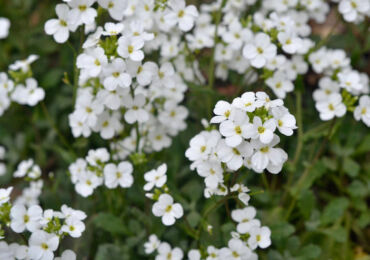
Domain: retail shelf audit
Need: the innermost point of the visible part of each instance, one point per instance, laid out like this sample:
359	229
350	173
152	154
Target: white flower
135	111
246	102
168	210
111	29
116	75
5	195
166	253
120	174
351	8
155	178
130	48
362	111
73	226
259	130
67	255
266	156
233	156
82	12
290	43
92	61
181	14
236	250
116	8
234	130
30	94
350	80
42	245
60	27
245	219
236	35
4	27
260	51
222	111
22	219
194	254
285	122
332	107
212	172
259	236
280	84
23	168
152	245
327	87
213	253
87	183
24	65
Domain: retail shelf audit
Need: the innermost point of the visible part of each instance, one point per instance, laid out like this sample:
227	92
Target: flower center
130	49
331	107
238	130
181	13
82	7
203	148
168	208
110	5
97	62
259	50
119	175
236	151
227	113
44	246
264	149
26	218
63	23
261	129
115	74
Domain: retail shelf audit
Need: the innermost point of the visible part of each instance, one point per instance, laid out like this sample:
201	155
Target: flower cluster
20	87
246	137
29	169
248	237
164	206
354	10
95	170
46	228
275	42
340	87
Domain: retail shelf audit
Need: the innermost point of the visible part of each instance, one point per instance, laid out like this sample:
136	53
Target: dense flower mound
143	71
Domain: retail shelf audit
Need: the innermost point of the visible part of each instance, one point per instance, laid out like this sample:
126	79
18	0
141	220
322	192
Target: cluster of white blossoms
46	228
246	137
354	11
269	43
164	207
249	236
29	169
95	170
19	86
340	87
4	27
120	95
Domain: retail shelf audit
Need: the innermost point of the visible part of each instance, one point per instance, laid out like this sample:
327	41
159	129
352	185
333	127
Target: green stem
308	168
55	128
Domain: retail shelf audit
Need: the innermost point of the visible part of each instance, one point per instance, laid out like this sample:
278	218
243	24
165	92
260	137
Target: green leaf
281	230
334	210
111	252
306	203
351	167
194	219
110	223
339	234
310	251
357	189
